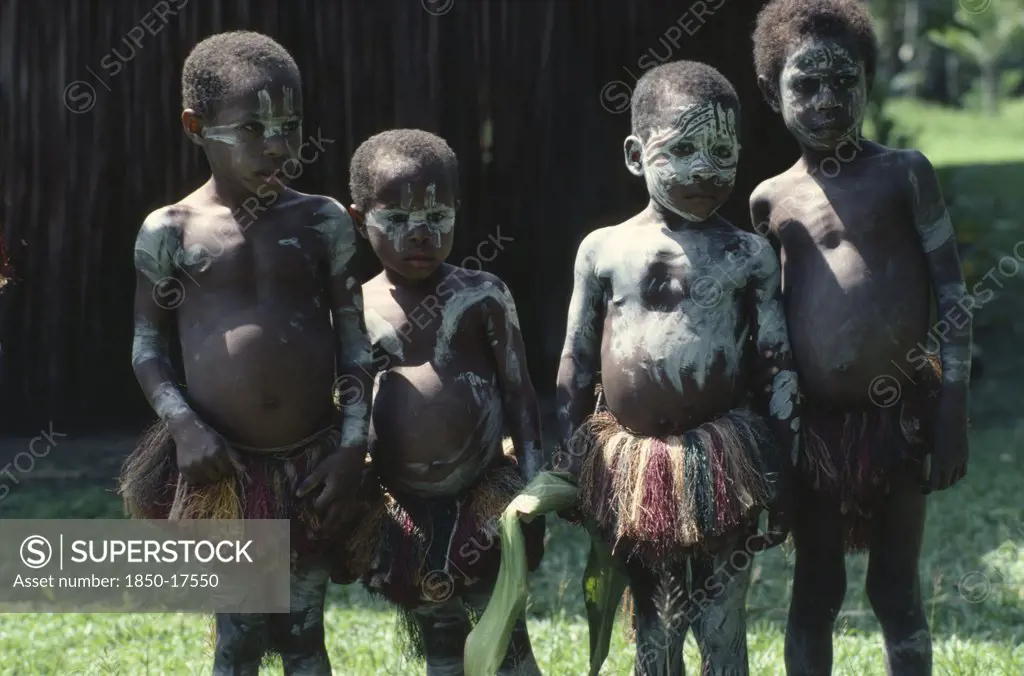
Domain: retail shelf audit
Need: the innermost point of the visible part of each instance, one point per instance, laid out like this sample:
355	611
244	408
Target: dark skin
453	374
865	242
664	307
431	431
252	273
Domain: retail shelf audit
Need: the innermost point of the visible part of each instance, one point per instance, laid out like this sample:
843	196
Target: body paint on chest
398	223
383	333
158	251
335	226
285	123
710	128
458	305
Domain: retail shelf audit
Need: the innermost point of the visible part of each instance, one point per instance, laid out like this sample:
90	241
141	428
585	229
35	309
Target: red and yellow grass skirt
855	456
658	498
152	487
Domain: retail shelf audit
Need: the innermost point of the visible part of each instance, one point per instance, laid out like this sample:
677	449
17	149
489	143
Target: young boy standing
676	466
452	382
865	242
254	279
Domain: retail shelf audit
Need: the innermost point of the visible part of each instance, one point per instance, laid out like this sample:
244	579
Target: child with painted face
255	278
681	458
452	380
865	242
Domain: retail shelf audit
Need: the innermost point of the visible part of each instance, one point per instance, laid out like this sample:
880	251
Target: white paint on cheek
291	241
710	129
814	59
398	224
382	333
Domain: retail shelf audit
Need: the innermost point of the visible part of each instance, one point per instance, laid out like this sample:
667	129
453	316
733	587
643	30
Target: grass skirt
855	456
414	550
152	488
654	498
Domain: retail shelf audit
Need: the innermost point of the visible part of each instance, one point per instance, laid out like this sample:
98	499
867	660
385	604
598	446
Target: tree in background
985	33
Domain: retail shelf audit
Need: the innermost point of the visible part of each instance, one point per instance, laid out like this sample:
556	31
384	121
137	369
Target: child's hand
203	455
778	527
340	474
763	378
949	457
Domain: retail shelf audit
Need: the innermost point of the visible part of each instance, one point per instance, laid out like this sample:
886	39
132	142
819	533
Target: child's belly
435	432
855	322
262	376
662	374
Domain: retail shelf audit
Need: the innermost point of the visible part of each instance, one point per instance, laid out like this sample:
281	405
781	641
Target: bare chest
664	274
271	253
443	329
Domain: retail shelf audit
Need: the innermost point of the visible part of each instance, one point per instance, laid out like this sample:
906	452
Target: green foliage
984	39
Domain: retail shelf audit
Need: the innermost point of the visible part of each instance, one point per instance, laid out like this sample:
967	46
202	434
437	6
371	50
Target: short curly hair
424	149
783	23
690	78
226	63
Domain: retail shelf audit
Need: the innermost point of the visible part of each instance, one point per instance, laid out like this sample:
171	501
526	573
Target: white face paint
700	145
822	92
397	224
284	122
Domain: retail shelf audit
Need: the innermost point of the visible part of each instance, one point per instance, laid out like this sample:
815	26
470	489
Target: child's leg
659	614
718	612
444	628
242	641
819	584
519	658
298	636
893	585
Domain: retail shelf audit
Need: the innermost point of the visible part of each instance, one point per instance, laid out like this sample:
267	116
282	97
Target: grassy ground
972	566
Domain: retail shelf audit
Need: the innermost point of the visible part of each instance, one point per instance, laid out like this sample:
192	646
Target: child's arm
341	470
949	461
581	354
773	353
202	455
522	413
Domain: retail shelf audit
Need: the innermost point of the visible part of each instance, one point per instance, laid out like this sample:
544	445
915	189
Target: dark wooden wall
519	88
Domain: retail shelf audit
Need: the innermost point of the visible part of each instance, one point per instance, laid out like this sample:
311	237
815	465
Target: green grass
953	137
976	530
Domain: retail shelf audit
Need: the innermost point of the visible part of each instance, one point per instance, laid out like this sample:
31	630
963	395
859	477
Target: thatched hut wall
515	86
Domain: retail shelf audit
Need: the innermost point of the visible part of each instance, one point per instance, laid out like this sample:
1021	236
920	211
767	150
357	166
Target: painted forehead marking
821	55
703	121
272	125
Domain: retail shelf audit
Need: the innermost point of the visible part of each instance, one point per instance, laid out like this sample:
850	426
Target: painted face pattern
285	121
398	223
823	92
700	145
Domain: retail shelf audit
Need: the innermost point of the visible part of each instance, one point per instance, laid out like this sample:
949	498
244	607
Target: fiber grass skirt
654	498
152	488
414	551
854	457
